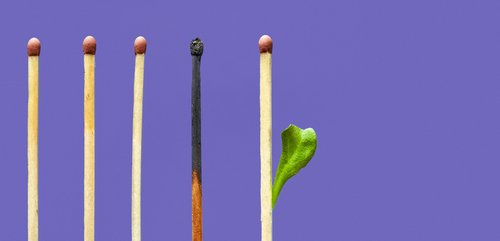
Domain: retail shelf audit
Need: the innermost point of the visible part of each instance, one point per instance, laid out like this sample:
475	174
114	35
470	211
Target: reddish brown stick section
197	210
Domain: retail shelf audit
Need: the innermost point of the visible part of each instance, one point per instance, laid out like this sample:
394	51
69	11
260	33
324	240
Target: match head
266	44
89	45
196	47
140	45
33	47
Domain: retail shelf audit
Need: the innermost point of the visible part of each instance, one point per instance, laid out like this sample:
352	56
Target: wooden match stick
266	211
196	52
140	51
89	48
33	56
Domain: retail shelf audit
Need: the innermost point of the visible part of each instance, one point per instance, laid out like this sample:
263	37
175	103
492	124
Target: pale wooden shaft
137	146
33	148
89	133
266	147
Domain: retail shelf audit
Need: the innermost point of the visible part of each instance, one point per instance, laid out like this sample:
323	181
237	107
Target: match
196	52
140	51
266	211
89	48
33	56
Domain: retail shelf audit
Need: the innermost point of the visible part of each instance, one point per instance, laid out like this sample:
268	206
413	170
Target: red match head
33	47
89	45
266	44
140	45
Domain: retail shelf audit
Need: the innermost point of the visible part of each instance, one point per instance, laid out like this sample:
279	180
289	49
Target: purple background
404	96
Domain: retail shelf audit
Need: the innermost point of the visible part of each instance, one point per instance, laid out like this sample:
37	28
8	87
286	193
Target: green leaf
298	149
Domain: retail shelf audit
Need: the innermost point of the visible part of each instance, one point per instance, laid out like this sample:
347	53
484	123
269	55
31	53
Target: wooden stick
89	48
33	55
140	51
196	197
266	218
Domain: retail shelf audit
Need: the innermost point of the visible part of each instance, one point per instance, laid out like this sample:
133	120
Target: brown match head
140	45
33	47
266	44
89	45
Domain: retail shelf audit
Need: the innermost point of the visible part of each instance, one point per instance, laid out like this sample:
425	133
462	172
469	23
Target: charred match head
89	45
33	47
266	44
140	45
196	47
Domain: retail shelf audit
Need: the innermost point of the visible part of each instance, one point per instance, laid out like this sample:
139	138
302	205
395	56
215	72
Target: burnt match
89	48
196	52
266	211
140	51
33	56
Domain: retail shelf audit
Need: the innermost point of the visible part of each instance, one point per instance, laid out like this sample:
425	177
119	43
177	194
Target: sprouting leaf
298	149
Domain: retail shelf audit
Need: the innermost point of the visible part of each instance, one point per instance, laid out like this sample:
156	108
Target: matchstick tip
266	44
196	47
89	45
33	47
140	45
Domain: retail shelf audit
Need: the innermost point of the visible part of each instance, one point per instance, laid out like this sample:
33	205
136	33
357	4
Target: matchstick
196	52
33	56
266	212
140	51
89	48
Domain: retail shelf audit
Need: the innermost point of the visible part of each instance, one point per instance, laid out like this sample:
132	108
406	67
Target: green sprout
298	149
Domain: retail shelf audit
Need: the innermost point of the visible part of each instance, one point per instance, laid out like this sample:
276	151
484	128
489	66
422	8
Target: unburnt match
140	51
266	49
33	56
196	52
89	49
